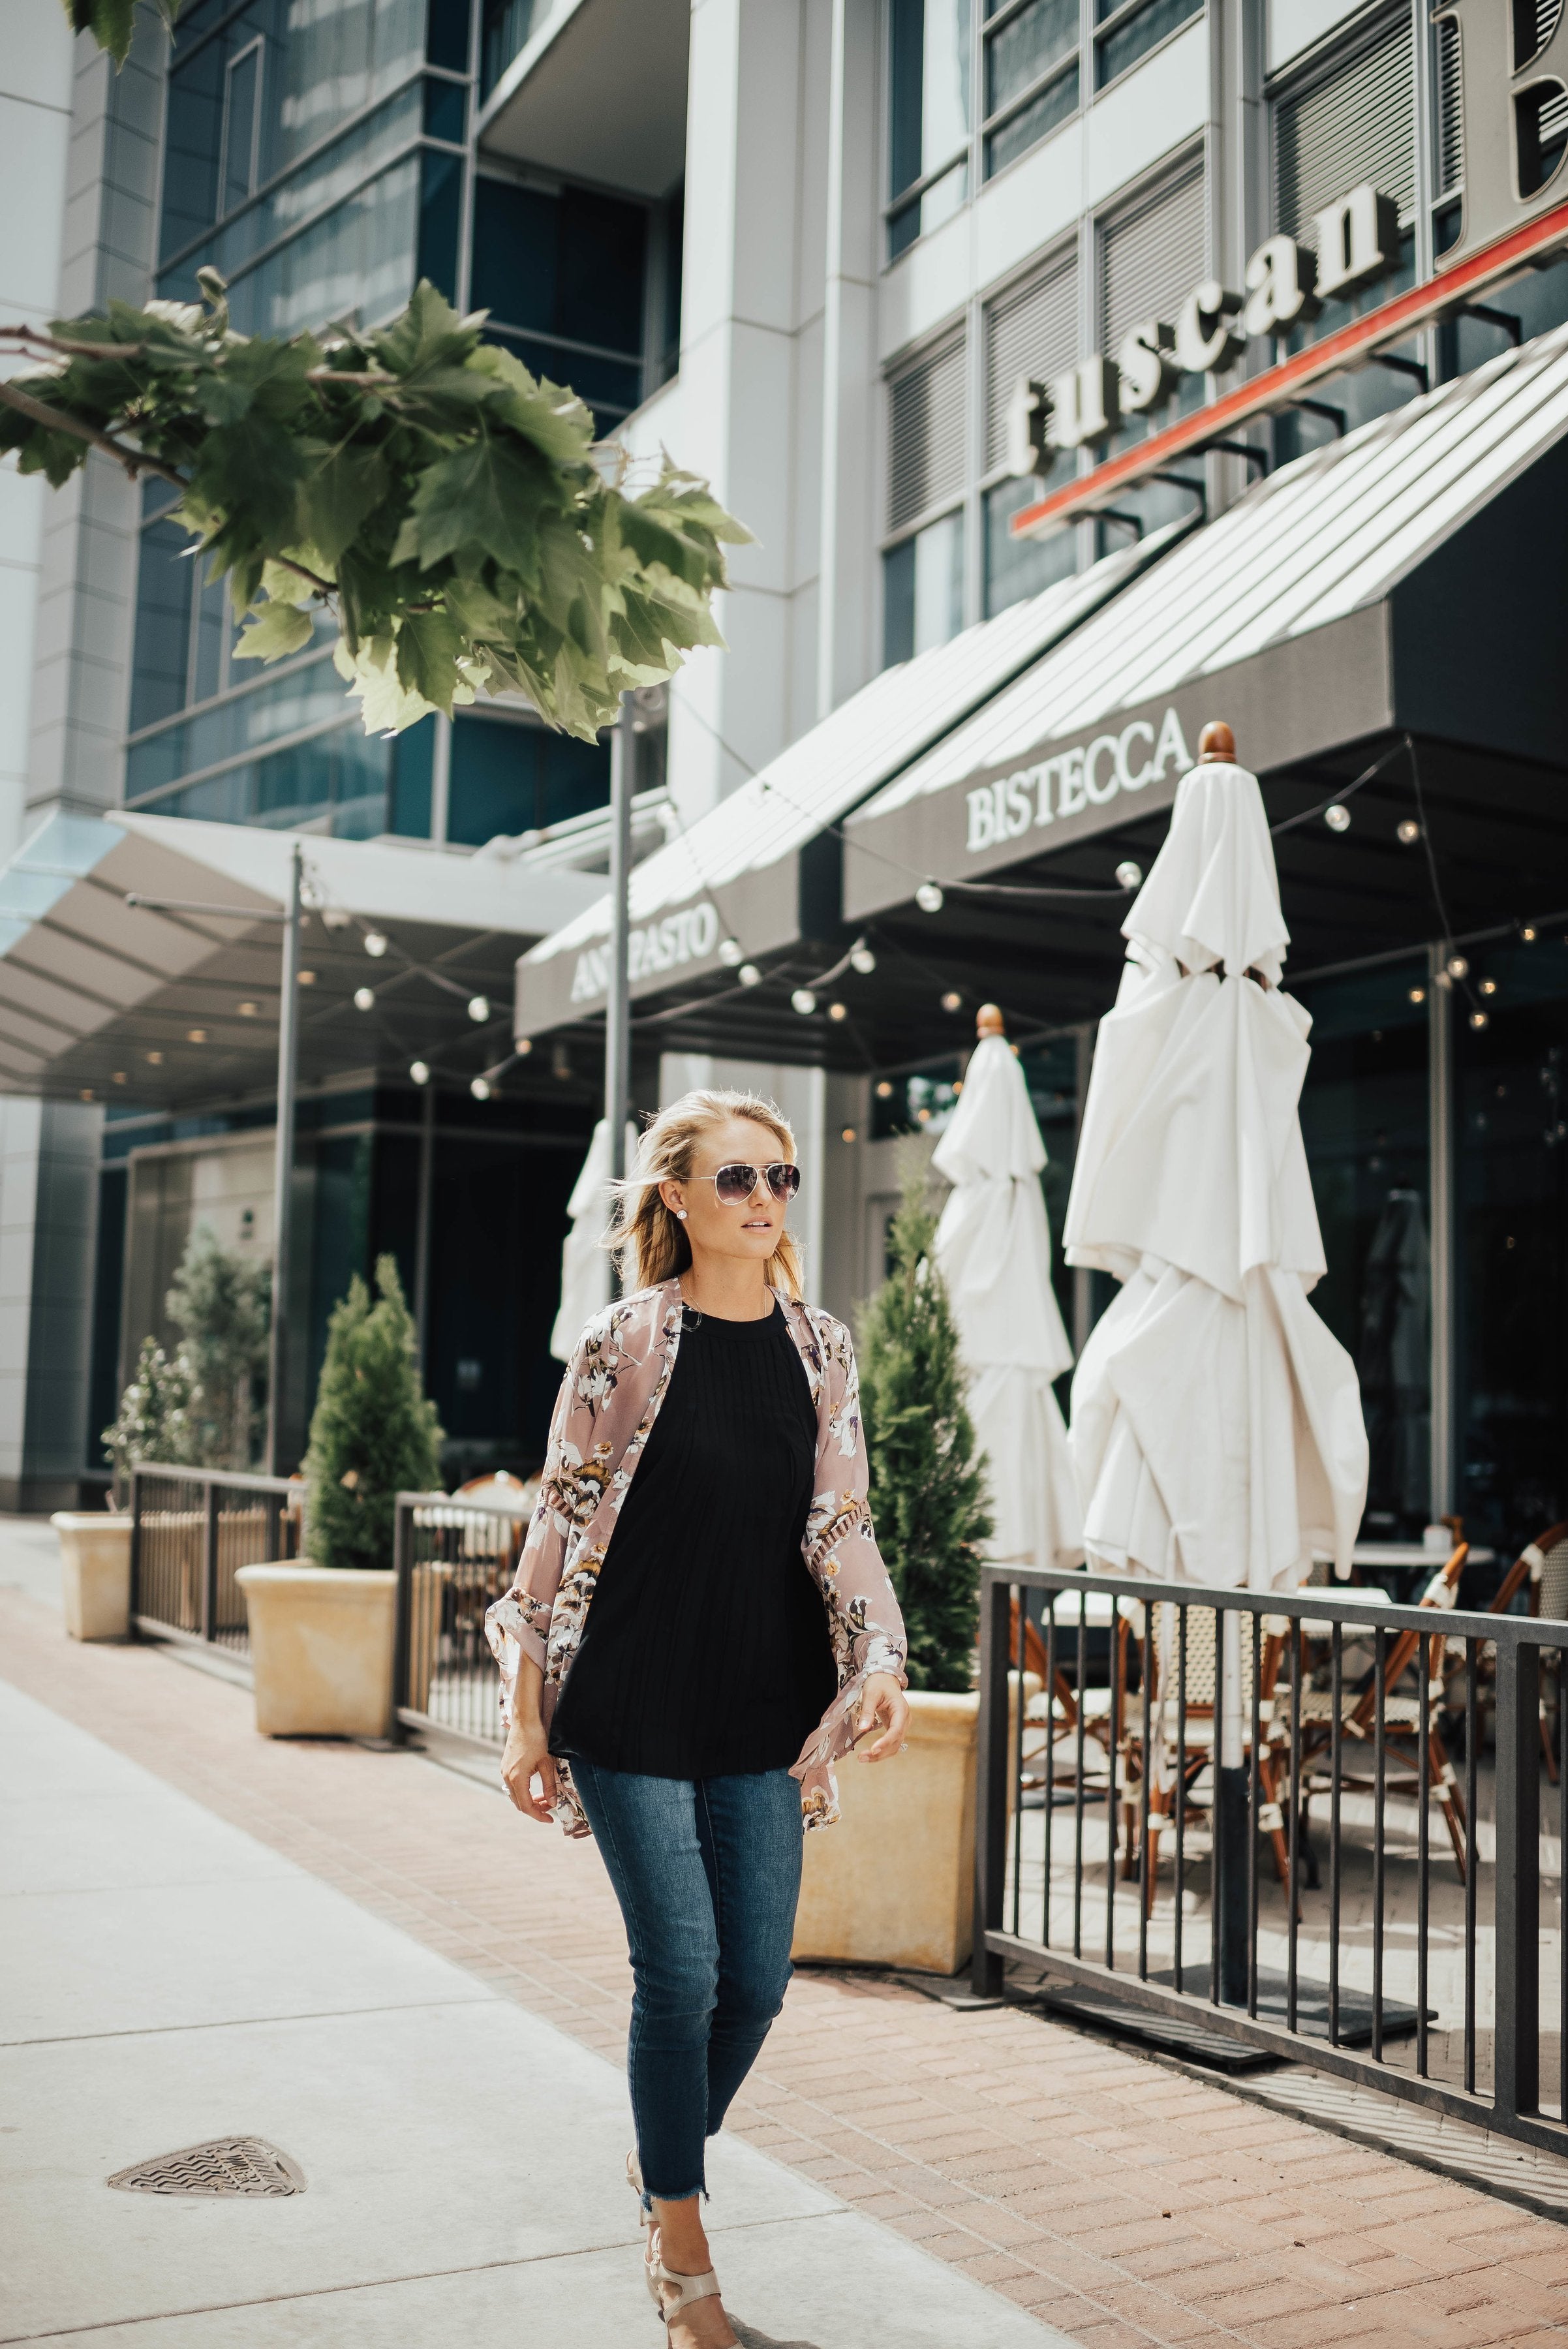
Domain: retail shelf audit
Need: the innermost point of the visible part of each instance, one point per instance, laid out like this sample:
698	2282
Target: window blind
1032	330
925	440
1150	257
1358	124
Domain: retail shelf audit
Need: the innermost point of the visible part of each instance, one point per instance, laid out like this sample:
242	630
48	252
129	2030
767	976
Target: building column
750	396
847	651
48	1230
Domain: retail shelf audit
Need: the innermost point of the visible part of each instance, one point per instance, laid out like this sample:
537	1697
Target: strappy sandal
648	2222
671	2293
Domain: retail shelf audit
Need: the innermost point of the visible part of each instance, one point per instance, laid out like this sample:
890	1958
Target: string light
861	958
249	1011
1528	935
1417	994
480	1088
838	1010
364	999
884	1090
307	979
1410	832
1489	986
479	1009
729	952
1458	966
375	944
928	897
1129	874
749	975
1337	818
195	1035
1480	1018
952	1000
804	1000
848	1134
420	1071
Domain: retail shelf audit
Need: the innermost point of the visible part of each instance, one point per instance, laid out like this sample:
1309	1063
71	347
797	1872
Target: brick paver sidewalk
1126	2204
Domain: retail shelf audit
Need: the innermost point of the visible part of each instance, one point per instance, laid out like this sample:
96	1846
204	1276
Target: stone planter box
321	1649
95	1573
893	1883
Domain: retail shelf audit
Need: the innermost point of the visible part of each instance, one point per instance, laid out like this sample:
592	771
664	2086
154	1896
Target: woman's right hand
527	1756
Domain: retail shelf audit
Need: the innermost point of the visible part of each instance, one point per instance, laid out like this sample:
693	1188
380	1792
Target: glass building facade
322	160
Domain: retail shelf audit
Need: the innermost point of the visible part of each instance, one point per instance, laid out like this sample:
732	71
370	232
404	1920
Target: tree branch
73	350
135	460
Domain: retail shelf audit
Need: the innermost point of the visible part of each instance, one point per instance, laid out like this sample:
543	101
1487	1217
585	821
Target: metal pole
618	1006
1441	1158
1516	2086
283	1176
422	1211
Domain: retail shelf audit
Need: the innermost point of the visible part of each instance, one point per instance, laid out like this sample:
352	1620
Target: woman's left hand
883	1707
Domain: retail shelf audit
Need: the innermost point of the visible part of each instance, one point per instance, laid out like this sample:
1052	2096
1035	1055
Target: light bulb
1128	874
729	952
804	1000
195	1035
522	1046
1489	986
1458	966
884	1090
248	1010
1528	935
420	1071
375	944
479	1008
480	1088
838	1010
1480	1019
364	999
1410	832
928	897
1417	994
1337	818
749	975
952	1000
861	958
848	1135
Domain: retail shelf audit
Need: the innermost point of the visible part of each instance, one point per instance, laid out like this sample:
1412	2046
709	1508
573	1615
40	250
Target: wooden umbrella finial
1217	745
989	1021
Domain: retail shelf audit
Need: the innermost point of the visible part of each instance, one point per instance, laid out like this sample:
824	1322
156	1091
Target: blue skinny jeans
707	1872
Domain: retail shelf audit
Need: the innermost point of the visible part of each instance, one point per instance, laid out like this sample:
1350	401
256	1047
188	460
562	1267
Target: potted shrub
893	1883
322	1629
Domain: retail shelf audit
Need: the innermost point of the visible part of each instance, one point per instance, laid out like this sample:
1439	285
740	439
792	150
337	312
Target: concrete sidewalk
165	1978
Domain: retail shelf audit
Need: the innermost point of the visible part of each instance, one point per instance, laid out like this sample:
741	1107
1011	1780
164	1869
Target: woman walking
698	1626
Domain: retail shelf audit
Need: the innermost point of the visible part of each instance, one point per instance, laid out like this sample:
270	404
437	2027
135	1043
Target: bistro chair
1173	1755
1542	1566
1401	1714
1052	1716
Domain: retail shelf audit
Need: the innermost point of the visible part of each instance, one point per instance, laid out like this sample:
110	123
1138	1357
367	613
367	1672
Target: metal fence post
402	1555
210	1561
1516	2086
135	1548
990	1784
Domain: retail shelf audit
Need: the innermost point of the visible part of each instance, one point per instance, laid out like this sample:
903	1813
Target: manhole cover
229	2165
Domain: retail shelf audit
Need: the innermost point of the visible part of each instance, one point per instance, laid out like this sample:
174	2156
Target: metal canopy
746	871
104	1000
1276	617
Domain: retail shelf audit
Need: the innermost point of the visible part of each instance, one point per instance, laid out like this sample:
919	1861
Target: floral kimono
609	1398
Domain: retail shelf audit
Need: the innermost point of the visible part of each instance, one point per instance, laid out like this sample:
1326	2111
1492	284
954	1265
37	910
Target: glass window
309	694
928	110
569	272
1364	1121
412	793
446	36
1134	31
1031	122
160	661
509	777
242	124
1024	49
1510	1095
440	214
508	27
922	590
1017	568
336	783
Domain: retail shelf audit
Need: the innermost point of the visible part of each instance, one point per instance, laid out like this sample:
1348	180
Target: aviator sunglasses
733	1185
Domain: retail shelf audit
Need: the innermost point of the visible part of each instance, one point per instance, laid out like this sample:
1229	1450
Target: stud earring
681	1215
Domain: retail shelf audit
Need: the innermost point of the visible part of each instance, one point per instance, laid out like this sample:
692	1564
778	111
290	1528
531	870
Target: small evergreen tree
928	1487
221	1301
156	1412
373	1433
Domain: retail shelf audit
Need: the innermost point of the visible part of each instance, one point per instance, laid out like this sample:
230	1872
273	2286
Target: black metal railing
192	1529
452	1557
1313	1824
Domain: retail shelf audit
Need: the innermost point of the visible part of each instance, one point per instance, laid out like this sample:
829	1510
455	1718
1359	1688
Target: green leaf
488	498
110	23
338	495
277	630
429	644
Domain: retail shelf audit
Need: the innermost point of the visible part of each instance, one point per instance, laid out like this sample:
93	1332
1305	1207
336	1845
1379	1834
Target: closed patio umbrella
993	1250
587	1276
1217	1426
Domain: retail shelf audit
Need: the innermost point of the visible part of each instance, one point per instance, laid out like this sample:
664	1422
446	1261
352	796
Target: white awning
107	1001
734	873
1273	617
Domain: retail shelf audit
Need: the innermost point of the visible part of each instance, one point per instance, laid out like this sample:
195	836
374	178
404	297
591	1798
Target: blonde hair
648	1240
